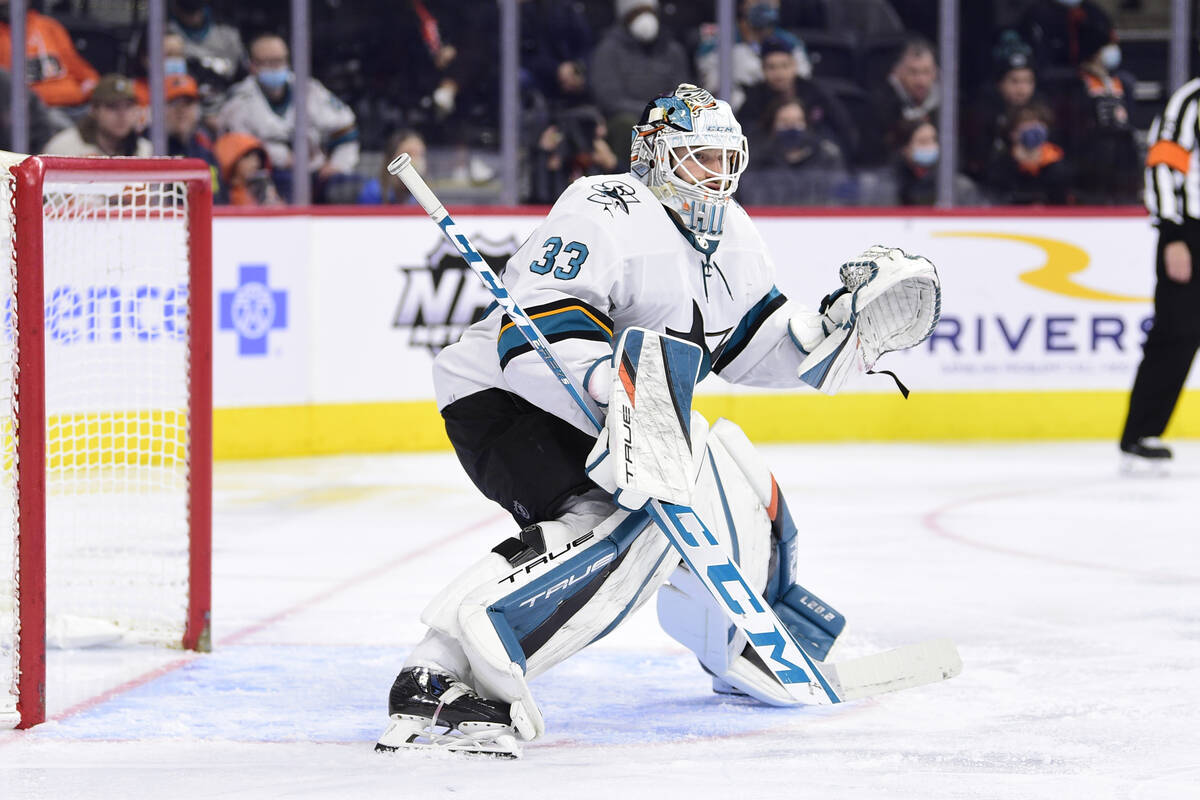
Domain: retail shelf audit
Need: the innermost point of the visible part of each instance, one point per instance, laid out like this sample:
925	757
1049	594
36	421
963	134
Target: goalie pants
526	459
1170	347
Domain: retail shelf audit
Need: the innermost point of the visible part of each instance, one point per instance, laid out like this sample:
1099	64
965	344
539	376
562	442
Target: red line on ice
320	597
932	521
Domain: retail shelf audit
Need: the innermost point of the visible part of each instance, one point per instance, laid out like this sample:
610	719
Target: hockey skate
435	711
1145	456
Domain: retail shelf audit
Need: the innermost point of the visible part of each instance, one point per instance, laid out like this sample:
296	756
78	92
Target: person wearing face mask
634	59
1032	170
261	105
1054	27
916	168
758	22
214	51
54	69
793	144
1096	123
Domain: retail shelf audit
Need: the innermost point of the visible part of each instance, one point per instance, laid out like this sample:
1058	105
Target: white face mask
644	27
1110	56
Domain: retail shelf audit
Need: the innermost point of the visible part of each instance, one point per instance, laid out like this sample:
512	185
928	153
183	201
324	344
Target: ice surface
1073	594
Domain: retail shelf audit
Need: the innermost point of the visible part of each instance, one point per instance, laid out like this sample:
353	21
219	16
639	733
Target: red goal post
105	411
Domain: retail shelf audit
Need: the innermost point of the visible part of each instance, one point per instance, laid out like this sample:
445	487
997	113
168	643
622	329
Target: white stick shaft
403	169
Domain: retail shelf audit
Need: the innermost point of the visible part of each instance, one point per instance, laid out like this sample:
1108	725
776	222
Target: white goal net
117	267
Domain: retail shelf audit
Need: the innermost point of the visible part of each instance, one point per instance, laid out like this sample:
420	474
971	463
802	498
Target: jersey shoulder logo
613	194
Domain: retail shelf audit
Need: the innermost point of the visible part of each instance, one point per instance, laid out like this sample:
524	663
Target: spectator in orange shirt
56	71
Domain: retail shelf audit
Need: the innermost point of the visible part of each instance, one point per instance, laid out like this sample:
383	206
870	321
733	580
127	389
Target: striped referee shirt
1173	163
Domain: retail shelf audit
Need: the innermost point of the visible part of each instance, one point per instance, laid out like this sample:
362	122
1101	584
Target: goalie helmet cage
105	410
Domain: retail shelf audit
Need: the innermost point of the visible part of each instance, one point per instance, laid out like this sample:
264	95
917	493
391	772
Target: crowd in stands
840	99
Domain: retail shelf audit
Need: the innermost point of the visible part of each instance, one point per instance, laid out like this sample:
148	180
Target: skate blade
472	738
1138	467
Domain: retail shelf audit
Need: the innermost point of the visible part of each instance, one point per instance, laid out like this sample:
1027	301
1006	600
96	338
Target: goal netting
105	408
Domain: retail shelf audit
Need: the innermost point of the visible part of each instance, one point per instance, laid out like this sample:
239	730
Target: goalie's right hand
809	328
600	465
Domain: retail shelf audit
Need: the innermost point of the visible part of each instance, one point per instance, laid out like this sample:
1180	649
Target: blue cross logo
253	310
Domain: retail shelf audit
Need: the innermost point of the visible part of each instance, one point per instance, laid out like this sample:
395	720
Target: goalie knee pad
762	533
540	597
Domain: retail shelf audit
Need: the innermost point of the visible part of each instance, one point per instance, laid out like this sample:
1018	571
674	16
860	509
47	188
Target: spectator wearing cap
110	126
56	72
1053	29
908	95
1032	170
758	21
1096	126
988	120
246	170
825	116
636	58
186	135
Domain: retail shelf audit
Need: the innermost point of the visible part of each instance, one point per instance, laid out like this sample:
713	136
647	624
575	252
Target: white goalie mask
688	148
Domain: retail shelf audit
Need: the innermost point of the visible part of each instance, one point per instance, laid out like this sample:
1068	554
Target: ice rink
1073	595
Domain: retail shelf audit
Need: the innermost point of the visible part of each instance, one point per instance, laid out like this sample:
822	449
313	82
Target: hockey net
105	411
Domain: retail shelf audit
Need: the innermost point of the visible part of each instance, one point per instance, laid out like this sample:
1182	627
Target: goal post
105	411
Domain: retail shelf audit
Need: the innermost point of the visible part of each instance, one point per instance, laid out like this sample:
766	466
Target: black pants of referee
1170	347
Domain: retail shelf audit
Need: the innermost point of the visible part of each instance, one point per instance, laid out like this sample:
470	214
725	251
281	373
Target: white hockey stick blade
892	670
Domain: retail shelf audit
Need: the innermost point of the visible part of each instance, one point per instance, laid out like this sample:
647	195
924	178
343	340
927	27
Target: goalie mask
688	148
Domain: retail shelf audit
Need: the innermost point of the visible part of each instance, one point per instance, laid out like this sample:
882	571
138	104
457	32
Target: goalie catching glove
889	301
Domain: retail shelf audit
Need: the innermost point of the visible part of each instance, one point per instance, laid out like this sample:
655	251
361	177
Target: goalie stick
795	671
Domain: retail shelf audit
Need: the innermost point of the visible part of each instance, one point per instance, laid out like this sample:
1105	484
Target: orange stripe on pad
1171	154
773	508
627	382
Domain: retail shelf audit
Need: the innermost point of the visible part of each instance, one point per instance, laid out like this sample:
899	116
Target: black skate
433	710
1147	455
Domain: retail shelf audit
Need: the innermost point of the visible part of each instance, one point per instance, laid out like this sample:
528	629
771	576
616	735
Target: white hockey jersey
607	257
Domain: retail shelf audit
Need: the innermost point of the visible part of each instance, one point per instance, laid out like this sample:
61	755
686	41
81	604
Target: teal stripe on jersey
569	323
751	322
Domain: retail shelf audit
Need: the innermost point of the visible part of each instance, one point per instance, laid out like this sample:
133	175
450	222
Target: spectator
635	59
824	113
792	144
54	69
986	124
110	126
1033	169
910	94
758	21
214	51
41	124
261	104
246	170
573	146
174	63
554	35
916	167
387	189
186	137
1096	127
1053	28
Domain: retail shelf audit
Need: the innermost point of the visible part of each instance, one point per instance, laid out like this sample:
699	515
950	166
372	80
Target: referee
1173	200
